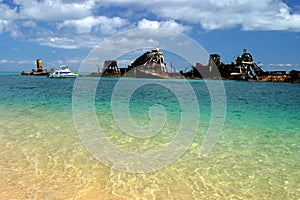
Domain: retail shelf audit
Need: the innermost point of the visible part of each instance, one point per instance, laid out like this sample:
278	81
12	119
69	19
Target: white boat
63	71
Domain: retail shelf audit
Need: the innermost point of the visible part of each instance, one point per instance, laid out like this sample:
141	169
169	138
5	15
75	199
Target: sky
64	32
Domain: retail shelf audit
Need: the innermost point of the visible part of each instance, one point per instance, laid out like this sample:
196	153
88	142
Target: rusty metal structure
151	64
150	60
243	68
39	71
110	68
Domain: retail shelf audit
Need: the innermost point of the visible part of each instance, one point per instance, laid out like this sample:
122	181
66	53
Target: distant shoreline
270	78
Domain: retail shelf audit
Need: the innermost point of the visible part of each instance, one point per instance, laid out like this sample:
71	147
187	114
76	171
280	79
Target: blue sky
65	31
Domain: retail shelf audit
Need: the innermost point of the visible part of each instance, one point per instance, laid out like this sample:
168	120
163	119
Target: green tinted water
42	156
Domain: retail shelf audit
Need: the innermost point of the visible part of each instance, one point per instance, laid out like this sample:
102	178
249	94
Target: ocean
72	139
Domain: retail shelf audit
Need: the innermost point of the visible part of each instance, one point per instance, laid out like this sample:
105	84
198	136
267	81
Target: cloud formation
170	24
281	65
217	14
54	10
63	21
101	23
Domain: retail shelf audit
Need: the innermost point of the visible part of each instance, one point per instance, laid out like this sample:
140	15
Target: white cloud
25	62
75	24
59	42
54	10
221	14
82	41
9	26
17	62
103	24
29	24
3	25
211	14
4	61
281	65
170	24
6	13
7	17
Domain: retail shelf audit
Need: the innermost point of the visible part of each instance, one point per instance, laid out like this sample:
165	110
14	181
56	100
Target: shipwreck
39	71
151	64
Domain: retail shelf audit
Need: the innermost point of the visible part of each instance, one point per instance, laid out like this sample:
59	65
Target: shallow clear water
42	155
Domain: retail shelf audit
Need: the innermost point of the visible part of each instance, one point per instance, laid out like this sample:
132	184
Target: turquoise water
42	155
